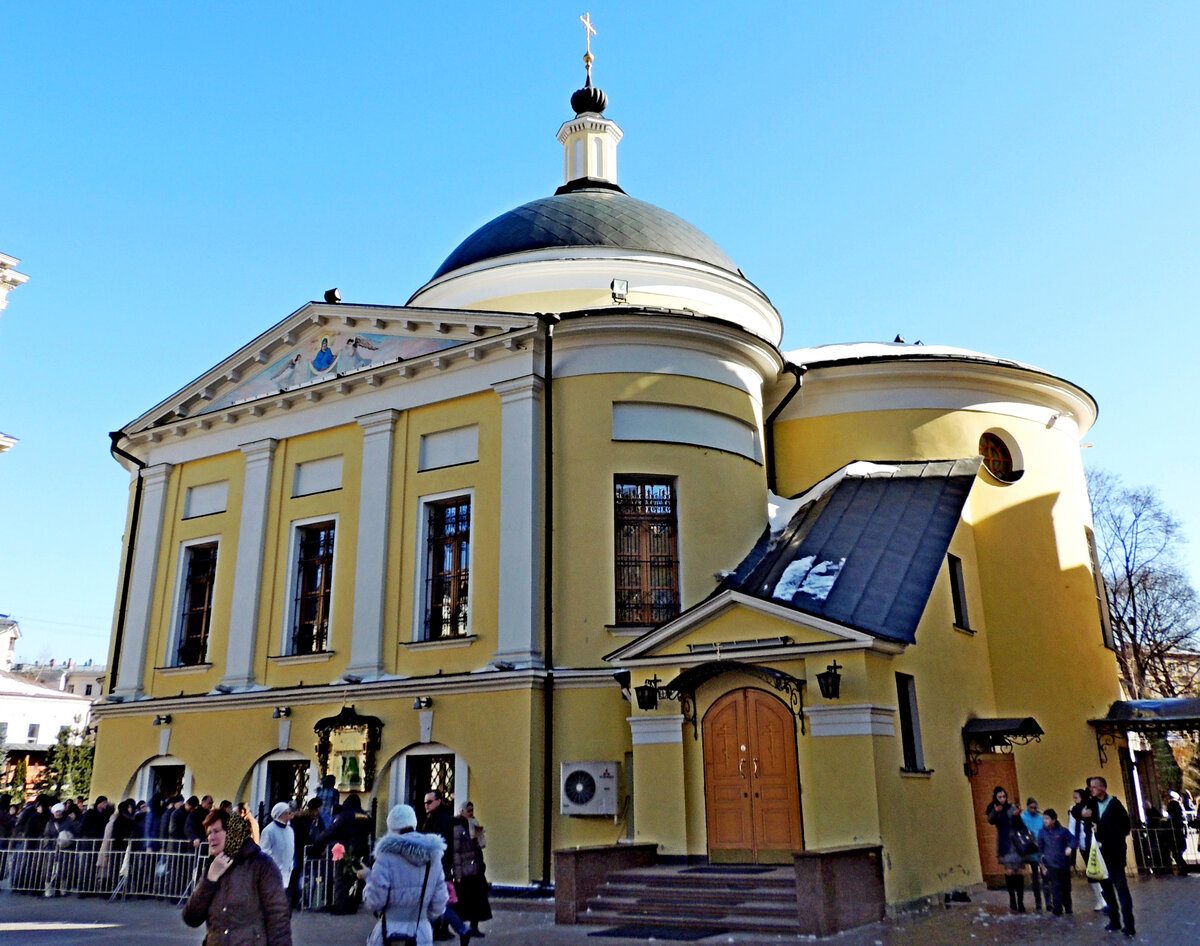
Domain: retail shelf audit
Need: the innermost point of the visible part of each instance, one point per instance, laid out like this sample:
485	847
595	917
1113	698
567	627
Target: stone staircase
729	899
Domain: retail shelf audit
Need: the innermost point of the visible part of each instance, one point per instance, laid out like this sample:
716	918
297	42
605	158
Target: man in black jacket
1110	827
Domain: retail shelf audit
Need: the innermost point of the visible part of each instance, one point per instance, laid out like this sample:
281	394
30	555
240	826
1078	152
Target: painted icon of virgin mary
324	358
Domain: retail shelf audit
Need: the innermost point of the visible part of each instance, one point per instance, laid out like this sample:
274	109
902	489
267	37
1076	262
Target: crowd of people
428	884
1096	831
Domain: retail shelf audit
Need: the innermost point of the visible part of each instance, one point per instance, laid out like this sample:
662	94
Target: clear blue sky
1018	178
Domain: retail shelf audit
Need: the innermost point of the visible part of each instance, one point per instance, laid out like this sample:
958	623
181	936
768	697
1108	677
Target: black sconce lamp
162	720
281	712
830	682
650	692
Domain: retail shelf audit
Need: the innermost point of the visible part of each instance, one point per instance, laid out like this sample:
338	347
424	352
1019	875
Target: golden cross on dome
588	31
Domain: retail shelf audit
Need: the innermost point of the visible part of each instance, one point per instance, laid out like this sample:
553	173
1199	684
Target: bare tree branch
1152	606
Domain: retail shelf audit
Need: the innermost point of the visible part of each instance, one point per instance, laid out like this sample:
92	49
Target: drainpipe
127	568
548	320
798	371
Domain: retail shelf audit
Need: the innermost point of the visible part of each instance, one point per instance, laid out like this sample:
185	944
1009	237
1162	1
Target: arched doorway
751	780
424	766
165	773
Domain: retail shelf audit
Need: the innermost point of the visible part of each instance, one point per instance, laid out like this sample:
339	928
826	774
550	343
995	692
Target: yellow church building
569	533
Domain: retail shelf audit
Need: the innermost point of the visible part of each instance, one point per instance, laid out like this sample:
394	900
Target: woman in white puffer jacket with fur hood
393	884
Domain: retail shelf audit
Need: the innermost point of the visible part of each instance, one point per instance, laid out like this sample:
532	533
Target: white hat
1175	795
58	809
401	817
281	808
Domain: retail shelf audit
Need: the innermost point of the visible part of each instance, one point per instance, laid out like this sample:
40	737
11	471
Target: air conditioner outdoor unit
589	788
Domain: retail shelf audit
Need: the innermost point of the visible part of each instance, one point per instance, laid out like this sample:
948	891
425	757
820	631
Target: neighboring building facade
82	679
412	545
31	718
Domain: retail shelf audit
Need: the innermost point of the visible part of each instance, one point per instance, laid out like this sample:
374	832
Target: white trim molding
374	521
853	719
519	605
132	668
656	730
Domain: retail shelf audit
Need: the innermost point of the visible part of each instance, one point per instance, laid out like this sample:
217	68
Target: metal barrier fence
52	868
1154	848
164	870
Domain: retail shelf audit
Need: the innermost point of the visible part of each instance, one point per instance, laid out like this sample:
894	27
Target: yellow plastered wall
177	530
589	726
1037	650
721	500
405	559
497	733
284	509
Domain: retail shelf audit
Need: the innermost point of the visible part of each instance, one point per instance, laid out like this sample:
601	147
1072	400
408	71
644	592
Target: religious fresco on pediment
328	355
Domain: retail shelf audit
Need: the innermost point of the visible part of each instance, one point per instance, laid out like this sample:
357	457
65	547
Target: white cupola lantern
589	140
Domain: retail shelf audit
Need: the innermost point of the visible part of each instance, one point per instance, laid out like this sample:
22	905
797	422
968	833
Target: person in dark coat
240	896
1110	828
1006	818
8	822
95	820
439	820
179	819
1178	831
470	884
352	829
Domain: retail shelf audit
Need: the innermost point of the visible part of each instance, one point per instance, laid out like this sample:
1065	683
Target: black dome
587	216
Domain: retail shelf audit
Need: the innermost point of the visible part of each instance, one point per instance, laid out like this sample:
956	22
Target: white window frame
420	585
171	657
289	601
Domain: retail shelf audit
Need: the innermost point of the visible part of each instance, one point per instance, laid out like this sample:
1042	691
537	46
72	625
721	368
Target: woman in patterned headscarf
240	896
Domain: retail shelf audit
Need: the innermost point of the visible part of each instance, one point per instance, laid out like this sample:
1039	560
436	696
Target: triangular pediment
322	343
732	624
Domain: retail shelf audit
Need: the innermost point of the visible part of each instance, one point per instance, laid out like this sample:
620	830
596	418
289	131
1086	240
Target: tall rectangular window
958	592
1101	589
647	550
313	588
195	616
910	723
447	567
34	729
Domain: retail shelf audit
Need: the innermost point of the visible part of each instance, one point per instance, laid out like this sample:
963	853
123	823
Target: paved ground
1167	910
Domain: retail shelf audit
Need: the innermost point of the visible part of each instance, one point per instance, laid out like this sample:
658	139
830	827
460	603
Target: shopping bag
1096	868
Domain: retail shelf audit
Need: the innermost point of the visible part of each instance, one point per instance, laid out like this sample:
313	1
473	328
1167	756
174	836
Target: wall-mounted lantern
830	682
650	692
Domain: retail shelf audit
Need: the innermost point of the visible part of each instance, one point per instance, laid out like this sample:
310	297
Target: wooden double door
751	782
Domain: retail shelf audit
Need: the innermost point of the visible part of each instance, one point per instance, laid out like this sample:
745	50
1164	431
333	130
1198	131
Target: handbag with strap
1023	839
406	939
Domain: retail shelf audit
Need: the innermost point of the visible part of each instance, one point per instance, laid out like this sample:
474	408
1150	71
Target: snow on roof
882	351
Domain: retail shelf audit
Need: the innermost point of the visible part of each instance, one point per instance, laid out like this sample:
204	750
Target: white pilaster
135	640
520	598
247	577
374	519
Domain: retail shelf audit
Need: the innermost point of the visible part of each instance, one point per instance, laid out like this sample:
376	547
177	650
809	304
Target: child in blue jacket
1056	845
